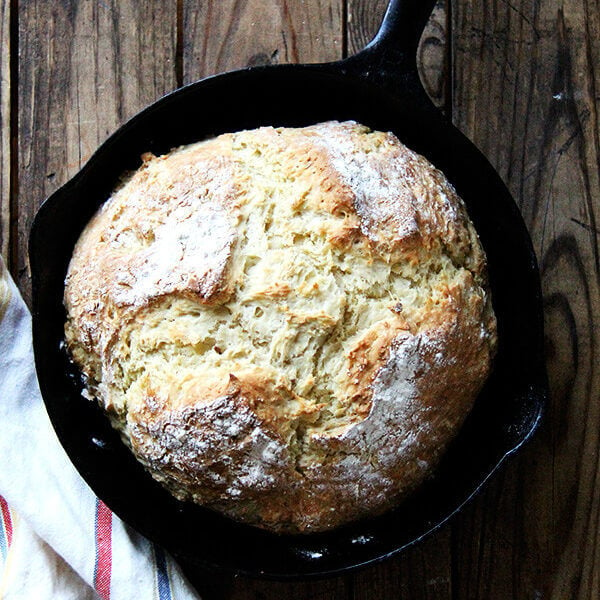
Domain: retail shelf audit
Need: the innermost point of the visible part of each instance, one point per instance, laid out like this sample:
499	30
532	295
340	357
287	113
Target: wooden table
521	78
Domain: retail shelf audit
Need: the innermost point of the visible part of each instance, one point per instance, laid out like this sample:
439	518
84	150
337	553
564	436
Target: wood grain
84	68
525	80
5	129
232	34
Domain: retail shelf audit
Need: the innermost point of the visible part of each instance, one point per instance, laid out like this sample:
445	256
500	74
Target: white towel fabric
57	539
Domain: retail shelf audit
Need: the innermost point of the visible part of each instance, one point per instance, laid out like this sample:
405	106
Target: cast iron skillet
379	87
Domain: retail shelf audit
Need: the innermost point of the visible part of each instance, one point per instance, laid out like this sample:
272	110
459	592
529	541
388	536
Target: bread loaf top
285	325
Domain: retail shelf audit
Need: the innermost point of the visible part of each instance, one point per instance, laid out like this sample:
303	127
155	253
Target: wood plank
233	34
230	35
526	91
433	54
5	130
424	572
84	68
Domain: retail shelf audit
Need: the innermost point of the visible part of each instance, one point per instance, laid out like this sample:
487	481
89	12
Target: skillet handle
390	59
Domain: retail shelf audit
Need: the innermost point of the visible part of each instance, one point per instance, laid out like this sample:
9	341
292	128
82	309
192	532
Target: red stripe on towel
103	566
8	527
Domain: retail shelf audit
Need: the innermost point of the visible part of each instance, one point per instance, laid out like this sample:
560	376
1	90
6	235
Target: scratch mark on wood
586	226
523	16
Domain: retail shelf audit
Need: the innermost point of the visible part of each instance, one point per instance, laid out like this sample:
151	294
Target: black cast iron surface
379	87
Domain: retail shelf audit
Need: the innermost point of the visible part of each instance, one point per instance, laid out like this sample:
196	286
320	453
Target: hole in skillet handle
384	75
390	59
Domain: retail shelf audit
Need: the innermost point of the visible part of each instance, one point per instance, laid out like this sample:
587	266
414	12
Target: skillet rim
328	69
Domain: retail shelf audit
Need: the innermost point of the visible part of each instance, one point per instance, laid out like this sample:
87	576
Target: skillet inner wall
287	96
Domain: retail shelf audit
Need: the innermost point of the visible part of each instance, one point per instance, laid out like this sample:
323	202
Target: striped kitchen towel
57	539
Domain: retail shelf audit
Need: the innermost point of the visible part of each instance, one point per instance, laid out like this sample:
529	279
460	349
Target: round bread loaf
286	325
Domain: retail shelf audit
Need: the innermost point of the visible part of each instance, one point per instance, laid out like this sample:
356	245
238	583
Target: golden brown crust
287	325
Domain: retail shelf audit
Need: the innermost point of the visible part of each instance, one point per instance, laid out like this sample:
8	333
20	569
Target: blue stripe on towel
162	576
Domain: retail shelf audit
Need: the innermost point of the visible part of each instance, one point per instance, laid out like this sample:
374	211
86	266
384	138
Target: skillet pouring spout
379	87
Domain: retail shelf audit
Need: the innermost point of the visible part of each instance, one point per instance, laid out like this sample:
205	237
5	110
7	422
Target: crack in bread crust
286	325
